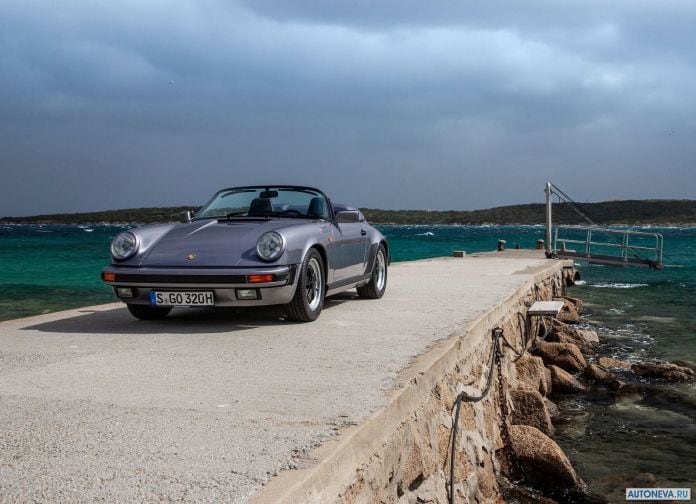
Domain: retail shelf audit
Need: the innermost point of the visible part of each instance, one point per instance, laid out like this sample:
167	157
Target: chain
512	457
496	361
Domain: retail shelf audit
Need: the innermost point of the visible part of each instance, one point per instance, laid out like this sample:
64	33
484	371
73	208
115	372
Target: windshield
271	201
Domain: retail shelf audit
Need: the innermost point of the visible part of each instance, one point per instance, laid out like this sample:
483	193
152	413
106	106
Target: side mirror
348	216
185	216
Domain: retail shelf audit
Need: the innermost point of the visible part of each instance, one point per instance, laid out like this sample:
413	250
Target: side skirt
346	284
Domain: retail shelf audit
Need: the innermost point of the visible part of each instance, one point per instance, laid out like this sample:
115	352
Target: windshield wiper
241	216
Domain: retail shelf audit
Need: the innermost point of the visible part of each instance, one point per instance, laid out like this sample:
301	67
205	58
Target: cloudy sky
390	103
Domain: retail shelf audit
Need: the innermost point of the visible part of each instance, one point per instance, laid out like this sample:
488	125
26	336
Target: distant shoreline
647	225
663	213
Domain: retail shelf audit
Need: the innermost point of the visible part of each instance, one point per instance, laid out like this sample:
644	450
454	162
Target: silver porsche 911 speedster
250	246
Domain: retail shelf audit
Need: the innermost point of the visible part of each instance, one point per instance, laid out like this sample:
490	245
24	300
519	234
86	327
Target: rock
587	340
588	336
619	482
551	407
575	302
687	364
618	385
564	355
427	492
545	465
522	495
532	375
597	373
547	376
529	409
564	382
610	363
664	370
569	313
558	326
570	276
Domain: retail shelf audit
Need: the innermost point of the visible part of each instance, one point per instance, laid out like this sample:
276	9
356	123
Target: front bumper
274	285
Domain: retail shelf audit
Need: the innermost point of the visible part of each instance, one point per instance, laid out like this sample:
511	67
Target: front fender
148	236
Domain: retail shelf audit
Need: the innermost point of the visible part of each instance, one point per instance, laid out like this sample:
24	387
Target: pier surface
210	405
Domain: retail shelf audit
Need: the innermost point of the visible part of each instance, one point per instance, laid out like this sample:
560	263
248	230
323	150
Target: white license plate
182	298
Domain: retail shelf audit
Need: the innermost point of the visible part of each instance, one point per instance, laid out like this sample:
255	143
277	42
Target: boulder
570	276
619	386
547	376
564	382
565	355
521	495
687	364
596	373
610	363
558	326
532	375
589	336
664	371
529	409
545	465
585	339
619	482
575	302
569	313
551	407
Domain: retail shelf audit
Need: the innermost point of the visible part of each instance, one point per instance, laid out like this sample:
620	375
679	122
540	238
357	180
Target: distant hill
125	216
666	212
677	212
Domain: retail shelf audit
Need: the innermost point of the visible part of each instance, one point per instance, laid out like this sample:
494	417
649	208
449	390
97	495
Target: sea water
640	314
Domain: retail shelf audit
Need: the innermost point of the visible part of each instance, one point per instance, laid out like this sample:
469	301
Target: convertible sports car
249	246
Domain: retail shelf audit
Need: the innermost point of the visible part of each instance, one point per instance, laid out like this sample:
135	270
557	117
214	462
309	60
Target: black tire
145	312
308	301
378	282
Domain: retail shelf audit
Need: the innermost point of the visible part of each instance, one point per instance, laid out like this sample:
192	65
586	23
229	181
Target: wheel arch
324	258
372	254
383	241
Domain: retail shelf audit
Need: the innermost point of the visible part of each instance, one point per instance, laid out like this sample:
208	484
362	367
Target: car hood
212	243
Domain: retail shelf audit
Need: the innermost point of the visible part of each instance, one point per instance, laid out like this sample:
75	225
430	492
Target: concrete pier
219	406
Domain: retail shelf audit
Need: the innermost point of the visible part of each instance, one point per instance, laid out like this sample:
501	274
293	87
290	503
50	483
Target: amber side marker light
259	278
109	277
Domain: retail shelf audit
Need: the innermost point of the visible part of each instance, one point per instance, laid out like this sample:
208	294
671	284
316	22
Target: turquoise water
47	268
641	314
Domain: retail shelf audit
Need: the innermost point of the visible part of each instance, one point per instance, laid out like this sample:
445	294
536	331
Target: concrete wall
402	453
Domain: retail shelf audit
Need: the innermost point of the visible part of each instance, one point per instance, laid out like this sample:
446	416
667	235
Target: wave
427	233
618	285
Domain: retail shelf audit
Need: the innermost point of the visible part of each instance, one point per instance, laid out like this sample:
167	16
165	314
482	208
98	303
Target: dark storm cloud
393	104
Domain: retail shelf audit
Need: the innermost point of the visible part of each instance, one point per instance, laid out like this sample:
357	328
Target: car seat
318	208
260	207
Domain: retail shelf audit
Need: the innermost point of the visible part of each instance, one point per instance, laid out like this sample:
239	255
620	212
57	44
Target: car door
351	249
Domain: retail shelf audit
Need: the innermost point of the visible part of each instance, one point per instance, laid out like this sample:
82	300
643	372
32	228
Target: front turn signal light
259	278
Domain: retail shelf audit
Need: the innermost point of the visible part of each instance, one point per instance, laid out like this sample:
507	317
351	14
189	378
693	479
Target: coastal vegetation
655	212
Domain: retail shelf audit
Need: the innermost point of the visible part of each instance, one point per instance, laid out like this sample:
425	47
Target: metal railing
629	254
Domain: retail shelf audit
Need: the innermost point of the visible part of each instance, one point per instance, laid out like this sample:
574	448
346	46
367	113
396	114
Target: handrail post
548	192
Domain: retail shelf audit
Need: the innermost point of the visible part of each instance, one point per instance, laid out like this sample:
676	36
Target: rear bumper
274	285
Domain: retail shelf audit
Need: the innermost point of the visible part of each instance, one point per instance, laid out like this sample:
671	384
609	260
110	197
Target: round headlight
270	246
124	246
